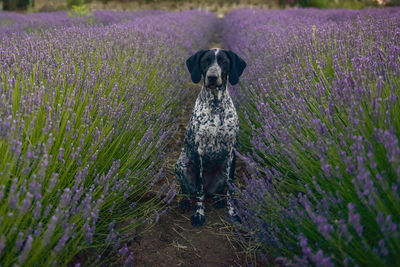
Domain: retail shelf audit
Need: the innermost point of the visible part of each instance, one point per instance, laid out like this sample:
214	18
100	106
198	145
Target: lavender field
319	112
89	105
87	108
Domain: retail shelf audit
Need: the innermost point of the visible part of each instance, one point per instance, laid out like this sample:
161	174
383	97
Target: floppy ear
193	65
237	67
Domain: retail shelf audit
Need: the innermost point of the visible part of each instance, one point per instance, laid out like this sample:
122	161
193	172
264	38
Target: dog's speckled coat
207	161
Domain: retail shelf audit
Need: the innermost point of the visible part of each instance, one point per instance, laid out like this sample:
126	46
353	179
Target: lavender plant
86	112
319	112
11	22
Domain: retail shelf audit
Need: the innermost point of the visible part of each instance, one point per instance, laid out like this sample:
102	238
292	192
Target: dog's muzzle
212	82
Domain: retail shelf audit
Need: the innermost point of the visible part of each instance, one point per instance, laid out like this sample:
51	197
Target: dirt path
173	241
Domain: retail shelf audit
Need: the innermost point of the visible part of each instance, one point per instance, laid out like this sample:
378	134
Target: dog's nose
212	79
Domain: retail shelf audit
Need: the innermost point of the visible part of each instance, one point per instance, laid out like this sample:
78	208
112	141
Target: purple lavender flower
27	248
318	134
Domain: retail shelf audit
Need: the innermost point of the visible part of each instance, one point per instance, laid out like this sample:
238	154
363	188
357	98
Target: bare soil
175	242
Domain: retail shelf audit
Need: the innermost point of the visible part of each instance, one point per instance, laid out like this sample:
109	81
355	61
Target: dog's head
215	66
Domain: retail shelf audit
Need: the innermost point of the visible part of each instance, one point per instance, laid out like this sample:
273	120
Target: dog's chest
214	129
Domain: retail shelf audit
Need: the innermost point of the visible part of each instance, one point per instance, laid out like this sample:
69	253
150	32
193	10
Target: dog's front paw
198	216
198	219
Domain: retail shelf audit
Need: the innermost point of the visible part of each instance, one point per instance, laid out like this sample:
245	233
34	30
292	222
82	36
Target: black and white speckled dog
207	161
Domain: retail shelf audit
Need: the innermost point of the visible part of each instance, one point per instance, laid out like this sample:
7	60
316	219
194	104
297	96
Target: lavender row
11	22
319	112
86	113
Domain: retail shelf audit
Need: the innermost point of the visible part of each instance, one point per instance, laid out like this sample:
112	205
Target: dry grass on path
173	241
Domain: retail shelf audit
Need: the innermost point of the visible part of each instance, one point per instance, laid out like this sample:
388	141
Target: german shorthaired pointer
207	161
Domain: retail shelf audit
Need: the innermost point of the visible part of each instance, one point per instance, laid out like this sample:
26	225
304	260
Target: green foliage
17	4
71	3
81	11
350	4
394	3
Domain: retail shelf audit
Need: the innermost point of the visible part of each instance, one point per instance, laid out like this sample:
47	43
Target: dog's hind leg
185	174
218	200
198	216
215	183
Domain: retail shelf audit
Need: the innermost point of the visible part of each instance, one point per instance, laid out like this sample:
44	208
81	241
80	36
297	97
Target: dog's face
216	66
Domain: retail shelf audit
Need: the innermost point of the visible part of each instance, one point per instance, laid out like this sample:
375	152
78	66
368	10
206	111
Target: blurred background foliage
353	4
219	6
17	4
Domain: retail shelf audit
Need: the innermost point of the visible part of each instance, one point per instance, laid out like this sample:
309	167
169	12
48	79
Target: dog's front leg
230	169
198	216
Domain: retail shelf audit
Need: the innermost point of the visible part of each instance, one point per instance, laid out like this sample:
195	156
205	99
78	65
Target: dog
206	164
